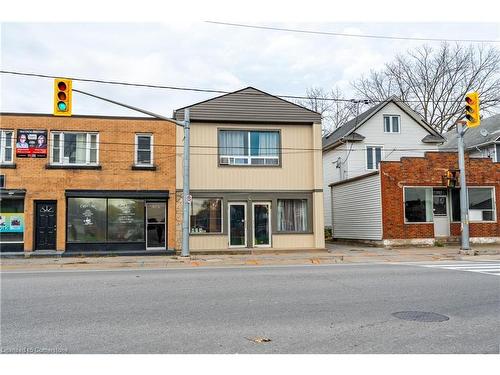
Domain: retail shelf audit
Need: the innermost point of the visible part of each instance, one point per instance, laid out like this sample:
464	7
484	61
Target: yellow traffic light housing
472	109
62	97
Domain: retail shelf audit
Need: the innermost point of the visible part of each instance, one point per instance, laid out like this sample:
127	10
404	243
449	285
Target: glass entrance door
156	229
440	210
237	224
262	224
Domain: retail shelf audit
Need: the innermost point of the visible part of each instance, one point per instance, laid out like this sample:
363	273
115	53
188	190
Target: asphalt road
301	309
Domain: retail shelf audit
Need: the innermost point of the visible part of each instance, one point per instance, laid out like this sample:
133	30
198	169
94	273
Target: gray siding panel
249	105
357	209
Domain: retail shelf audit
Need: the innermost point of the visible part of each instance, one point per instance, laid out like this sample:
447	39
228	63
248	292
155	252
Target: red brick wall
428	171
116	157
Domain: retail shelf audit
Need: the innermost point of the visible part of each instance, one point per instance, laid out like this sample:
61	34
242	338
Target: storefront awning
12	193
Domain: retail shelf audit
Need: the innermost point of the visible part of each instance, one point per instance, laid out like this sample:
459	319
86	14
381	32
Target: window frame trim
382	153
136	150
391	124
4	144
61	148
249	157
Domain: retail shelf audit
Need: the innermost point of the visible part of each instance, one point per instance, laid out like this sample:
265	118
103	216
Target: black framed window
86	220
125	220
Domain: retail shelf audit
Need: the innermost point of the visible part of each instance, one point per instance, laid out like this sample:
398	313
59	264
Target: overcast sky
198	55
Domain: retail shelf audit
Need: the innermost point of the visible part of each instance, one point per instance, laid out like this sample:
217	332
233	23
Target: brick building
86	184
407	201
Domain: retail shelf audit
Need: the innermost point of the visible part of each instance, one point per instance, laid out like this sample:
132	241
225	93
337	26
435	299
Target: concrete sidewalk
335	253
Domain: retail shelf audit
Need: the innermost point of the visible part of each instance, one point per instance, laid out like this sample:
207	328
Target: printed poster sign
31	143
12	223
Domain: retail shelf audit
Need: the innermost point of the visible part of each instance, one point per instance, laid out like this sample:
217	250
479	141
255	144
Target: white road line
477	267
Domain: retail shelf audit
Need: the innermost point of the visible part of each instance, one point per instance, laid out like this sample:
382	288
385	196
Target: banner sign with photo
31	143
12	223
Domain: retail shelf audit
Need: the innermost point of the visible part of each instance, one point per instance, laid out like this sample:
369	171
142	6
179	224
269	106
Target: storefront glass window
206	215
125	220
86	220
418	205
11	220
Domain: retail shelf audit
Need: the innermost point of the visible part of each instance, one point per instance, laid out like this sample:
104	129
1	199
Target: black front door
46	223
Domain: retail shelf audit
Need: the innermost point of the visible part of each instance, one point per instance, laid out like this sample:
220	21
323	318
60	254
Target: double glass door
156	229
260	224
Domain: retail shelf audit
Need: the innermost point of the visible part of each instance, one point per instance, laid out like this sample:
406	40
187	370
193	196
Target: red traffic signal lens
61	86
469	100
61	95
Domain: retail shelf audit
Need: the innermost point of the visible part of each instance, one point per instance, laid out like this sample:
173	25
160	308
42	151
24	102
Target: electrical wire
352	35
213	91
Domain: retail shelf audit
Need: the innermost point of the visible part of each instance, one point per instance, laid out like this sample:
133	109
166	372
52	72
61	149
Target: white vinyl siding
357	209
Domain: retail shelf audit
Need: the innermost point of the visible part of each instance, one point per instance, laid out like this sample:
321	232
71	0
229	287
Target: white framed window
74	148
392	124
143	149
249	147
373	157
482	206
6	146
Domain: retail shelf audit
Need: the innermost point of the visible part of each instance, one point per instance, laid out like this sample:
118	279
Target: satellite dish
484	132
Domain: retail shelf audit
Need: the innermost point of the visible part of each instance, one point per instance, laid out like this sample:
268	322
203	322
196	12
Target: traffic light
472	109
450	179
62	97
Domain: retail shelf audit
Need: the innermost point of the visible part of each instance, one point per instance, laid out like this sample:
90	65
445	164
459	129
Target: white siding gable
408	142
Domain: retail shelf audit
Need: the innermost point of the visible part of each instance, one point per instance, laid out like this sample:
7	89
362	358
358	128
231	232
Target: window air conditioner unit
224	160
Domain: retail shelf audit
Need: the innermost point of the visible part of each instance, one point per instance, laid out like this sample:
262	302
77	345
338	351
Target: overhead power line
352	35
213	91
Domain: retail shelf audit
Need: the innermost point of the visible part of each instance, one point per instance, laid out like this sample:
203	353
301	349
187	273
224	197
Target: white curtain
292	215
233	143
267	145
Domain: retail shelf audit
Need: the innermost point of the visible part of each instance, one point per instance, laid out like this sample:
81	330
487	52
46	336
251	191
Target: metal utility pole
185	188
464	204
185	125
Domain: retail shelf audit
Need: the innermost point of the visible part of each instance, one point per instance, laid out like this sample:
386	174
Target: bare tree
334	112
434	82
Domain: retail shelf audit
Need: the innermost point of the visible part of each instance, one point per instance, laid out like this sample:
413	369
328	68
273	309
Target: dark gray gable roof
248	105
473	137
350	126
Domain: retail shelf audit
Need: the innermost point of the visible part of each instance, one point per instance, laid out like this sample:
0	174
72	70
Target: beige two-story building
255	174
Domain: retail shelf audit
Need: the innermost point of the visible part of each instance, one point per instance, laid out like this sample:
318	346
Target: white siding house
387	131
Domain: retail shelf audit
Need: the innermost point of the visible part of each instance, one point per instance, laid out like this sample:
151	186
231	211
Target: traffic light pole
464	206
185	174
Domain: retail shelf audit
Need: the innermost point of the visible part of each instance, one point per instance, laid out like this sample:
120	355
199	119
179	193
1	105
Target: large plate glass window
292	215
86	220
255	147
11	220
481	204
125	220
144	149
71	148
418	204
206	215
373	157
6	146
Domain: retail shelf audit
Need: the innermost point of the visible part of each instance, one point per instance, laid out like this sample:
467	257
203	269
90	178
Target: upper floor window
69	148
391	124
6	146
249	147
144	149
373	157
498	152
